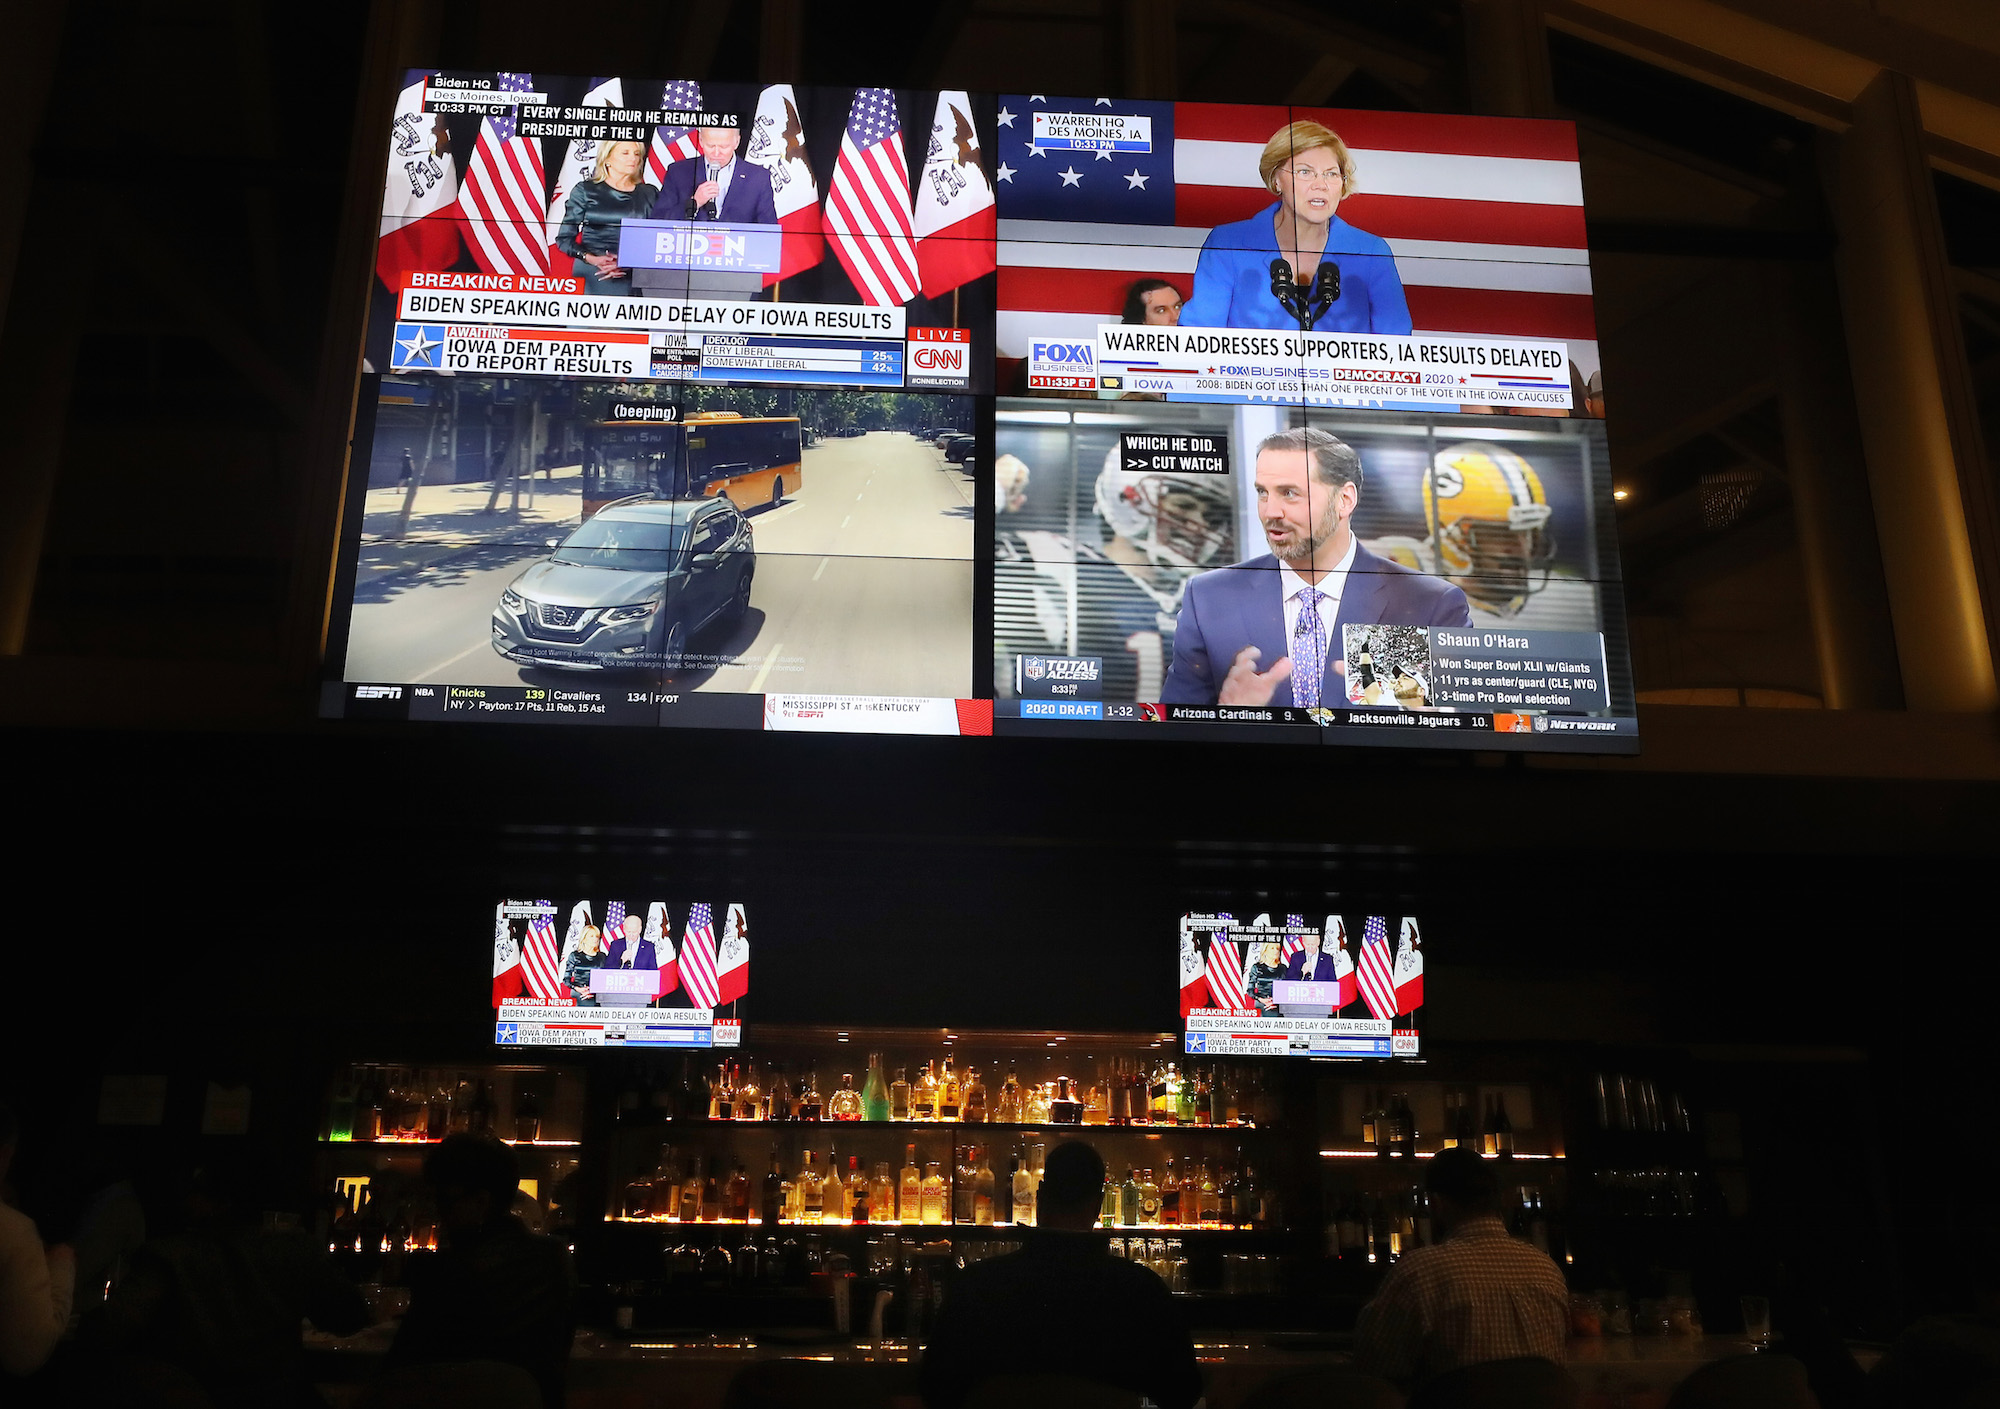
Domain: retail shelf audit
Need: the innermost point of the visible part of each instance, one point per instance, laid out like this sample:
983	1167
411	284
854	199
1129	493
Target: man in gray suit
1284	611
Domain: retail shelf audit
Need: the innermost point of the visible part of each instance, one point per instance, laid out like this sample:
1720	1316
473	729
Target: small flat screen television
1332	986
591	973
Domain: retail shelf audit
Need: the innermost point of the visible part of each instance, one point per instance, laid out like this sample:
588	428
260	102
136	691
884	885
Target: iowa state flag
663	948
1194	975
1409	969
1335	943
953	202
732	979
778	144
419	193
508	981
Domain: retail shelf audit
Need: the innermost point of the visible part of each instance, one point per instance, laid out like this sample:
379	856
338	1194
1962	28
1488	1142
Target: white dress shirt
1329	587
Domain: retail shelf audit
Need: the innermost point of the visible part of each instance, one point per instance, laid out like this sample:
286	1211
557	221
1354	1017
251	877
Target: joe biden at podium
1268	631
717	186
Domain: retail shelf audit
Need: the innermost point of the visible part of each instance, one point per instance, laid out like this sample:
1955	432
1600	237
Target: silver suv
630	587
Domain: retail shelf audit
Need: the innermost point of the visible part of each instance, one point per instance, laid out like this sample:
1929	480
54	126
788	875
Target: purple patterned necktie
1308	649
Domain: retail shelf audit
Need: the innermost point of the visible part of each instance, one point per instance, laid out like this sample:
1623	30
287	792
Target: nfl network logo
507	1034
1033	668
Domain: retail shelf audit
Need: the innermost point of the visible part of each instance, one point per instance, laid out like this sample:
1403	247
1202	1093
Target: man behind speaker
1284	611
716	186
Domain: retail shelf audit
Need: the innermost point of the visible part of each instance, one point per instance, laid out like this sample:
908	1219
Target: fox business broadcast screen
695	404
657	974
1341	986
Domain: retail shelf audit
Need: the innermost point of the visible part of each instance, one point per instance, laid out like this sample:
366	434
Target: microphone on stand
1283	289
709	209
1325	289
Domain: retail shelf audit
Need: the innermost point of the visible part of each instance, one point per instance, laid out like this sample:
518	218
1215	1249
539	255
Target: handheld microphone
709	209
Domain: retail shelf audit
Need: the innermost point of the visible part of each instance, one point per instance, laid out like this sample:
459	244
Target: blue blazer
1232	280
1226	609
748	202
643	957
1295	968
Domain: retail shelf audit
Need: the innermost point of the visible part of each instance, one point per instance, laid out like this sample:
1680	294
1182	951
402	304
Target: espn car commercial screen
594	974
910	411
1332	986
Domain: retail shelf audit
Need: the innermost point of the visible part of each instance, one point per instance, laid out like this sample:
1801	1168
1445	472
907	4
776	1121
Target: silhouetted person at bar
36	1283
1479	1294
495	1291
211	1304
1062	1305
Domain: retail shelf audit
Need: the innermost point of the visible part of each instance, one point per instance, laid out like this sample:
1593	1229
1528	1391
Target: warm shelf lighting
1621	494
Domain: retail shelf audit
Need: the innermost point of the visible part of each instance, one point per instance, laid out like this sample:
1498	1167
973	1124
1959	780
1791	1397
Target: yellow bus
755	460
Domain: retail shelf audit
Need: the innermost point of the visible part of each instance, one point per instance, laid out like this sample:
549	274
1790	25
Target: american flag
614	922
1295	943
698	958
672	144
1378	979
1483	215
503	200
540	954
868	203
1225	973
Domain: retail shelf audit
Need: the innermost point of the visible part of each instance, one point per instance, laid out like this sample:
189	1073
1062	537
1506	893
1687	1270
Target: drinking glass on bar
1756	1318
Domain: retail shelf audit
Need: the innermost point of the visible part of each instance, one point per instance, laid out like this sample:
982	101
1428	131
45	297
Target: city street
863	587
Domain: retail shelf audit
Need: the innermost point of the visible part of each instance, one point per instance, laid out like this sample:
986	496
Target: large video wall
885	410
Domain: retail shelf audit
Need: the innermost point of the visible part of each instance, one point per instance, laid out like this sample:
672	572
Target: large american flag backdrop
1377	970
503	200
541	955
698	958
1484	215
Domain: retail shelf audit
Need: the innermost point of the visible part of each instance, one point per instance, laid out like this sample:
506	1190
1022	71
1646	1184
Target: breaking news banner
1321	986
1436	237
588	972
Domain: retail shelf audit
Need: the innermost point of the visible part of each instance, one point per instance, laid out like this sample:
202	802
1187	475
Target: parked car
958	447
630	587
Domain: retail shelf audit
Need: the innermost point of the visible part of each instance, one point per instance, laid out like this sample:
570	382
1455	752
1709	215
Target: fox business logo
378	692
1080	355
1058	677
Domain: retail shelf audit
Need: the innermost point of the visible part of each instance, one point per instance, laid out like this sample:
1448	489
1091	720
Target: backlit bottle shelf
1150	1229
399	1140
1148	1128
1379	1157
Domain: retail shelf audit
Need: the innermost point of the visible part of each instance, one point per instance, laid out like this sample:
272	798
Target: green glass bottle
875	1091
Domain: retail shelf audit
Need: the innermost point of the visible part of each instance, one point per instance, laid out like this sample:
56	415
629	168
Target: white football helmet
1182	522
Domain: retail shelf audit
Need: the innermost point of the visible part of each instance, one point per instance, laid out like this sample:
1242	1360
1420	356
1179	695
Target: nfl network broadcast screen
1344	986
691	404
656	974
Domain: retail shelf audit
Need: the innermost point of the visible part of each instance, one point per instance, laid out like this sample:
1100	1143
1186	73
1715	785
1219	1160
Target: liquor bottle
1448	1139
1007	1105
1244	1196
1157	1110
948	1093
1035	1108
982	1191
1112	1211
736	1196
1204	1099
807	1106
721	1101
1489	1133
1180	1105
1170	1197
778	1095
812	1193
527	1117
1371	1114
368	1111
923	1096
972	1107
1149	1199
1353	1231
1409	1125
691	1192
1065	1109
882	1194
340	1111
910	1209
1024	1195
1097	1102
773	1207
711	1196
749	1095
845	1104
639	1193
665	1198
963	1168
1503	1128
899	1095
1210	1201
1423	1202
933	1206
875	1091
1003	1191
859	1195
1128	1199
832	1189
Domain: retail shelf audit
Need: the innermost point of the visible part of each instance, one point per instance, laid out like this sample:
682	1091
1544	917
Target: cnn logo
930	357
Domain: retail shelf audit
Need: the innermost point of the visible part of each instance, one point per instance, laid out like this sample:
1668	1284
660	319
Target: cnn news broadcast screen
1341	986
655	974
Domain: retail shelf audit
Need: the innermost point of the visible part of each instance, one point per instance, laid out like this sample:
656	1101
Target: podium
624	988
1297	999
709	259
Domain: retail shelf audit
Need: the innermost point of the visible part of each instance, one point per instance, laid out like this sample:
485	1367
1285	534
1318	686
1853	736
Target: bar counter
1614	1372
